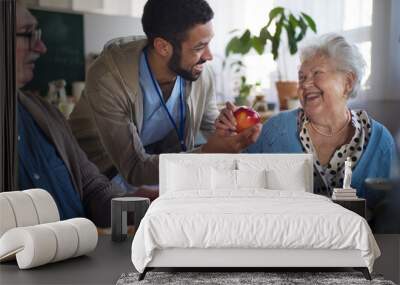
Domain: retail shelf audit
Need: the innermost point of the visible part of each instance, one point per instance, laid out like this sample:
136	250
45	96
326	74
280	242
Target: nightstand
357	205
120	207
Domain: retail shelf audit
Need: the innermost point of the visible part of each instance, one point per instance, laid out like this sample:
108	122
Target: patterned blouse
327	177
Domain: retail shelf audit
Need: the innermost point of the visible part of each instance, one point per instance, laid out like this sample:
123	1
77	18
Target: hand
225	124
232	144
147	191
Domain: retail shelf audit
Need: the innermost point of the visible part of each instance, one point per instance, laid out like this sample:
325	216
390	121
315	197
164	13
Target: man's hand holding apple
233	143
233	119
225	124
236	129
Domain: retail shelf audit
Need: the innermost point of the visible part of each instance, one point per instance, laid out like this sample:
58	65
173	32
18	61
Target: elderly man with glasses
49	156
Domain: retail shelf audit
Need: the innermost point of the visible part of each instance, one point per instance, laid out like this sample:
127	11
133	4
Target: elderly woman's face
322	88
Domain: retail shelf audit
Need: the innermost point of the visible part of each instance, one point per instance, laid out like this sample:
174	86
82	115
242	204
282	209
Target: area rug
244	278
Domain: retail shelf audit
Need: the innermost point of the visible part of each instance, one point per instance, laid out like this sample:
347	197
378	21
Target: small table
357	205
120	207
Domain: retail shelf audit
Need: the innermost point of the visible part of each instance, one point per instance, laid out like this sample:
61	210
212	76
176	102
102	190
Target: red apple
245	118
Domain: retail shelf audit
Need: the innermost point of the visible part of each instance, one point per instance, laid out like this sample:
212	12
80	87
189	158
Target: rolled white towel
87	235
67	240
33	246
24	211
7	218
26	208
40	244
45	205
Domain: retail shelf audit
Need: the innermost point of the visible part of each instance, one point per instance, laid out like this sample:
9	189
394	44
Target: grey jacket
94	189
109	116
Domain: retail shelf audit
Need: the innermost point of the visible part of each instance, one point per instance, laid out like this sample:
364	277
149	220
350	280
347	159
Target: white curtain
351	18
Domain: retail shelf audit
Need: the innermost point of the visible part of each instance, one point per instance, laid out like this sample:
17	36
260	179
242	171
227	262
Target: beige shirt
109	116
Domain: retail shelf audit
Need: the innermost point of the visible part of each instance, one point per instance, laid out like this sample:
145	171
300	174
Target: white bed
247	210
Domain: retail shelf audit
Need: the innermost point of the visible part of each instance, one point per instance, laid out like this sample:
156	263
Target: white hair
345	55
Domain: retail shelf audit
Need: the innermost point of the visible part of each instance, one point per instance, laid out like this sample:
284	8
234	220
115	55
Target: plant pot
259	104
286	90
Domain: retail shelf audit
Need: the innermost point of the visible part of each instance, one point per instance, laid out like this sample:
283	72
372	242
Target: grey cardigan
109	116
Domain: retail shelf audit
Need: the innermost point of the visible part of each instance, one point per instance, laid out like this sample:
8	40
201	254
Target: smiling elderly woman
331	71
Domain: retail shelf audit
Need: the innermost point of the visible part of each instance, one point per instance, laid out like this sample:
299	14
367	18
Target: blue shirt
156	123
40	166
280	134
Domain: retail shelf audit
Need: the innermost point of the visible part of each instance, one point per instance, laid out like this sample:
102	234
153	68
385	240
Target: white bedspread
250	219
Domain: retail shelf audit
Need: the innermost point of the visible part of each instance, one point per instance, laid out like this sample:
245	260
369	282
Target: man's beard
174	65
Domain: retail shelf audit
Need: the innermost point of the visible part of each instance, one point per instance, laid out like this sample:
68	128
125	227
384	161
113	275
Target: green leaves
245	88
233	46
303	30
258	45
240	45
296	27
274	13
310	22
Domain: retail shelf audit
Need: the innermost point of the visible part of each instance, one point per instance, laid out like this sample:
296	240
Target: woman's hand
225	124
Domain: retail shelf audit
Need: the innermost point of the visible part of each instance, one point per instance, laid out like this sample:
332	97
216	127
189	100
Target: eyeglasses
33	36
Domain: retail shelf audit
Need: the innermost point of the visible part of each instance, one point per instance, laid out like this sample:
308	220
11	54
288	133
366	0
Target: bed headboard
282	163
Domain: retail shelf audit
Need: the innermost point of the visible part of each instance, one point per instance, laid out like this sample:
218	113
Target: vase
286	90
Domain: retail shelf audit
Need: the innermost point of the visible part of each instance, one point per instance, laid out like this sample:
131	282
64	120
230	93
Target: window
351	18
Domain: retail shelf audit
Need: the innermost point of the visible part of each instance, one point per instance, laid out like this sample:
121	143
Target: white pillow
293	178
251	178
188	177
224	179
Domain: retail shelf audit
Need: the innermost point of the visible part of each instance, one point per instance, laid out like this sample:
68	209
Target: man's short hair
171	19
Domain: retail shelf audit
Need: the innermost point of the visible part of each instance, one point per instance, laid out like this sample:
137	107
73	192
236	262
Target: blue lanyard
181	131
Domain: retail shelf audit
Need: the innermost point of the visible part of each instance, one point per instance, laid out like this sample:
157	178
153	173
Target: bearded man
155	95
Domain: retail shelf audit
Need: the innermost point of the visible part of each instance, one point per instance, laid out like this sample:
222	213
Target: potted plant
243	88
296	27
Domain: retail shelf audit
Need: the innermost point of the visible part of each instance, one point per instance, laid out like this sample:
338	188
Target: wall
56	4
394	54
101	28
385	74
110	7
382	101
71	37
103	19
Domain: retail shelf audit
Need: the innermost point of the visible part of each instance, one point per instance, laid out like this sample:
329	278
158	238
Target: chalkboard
62	33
